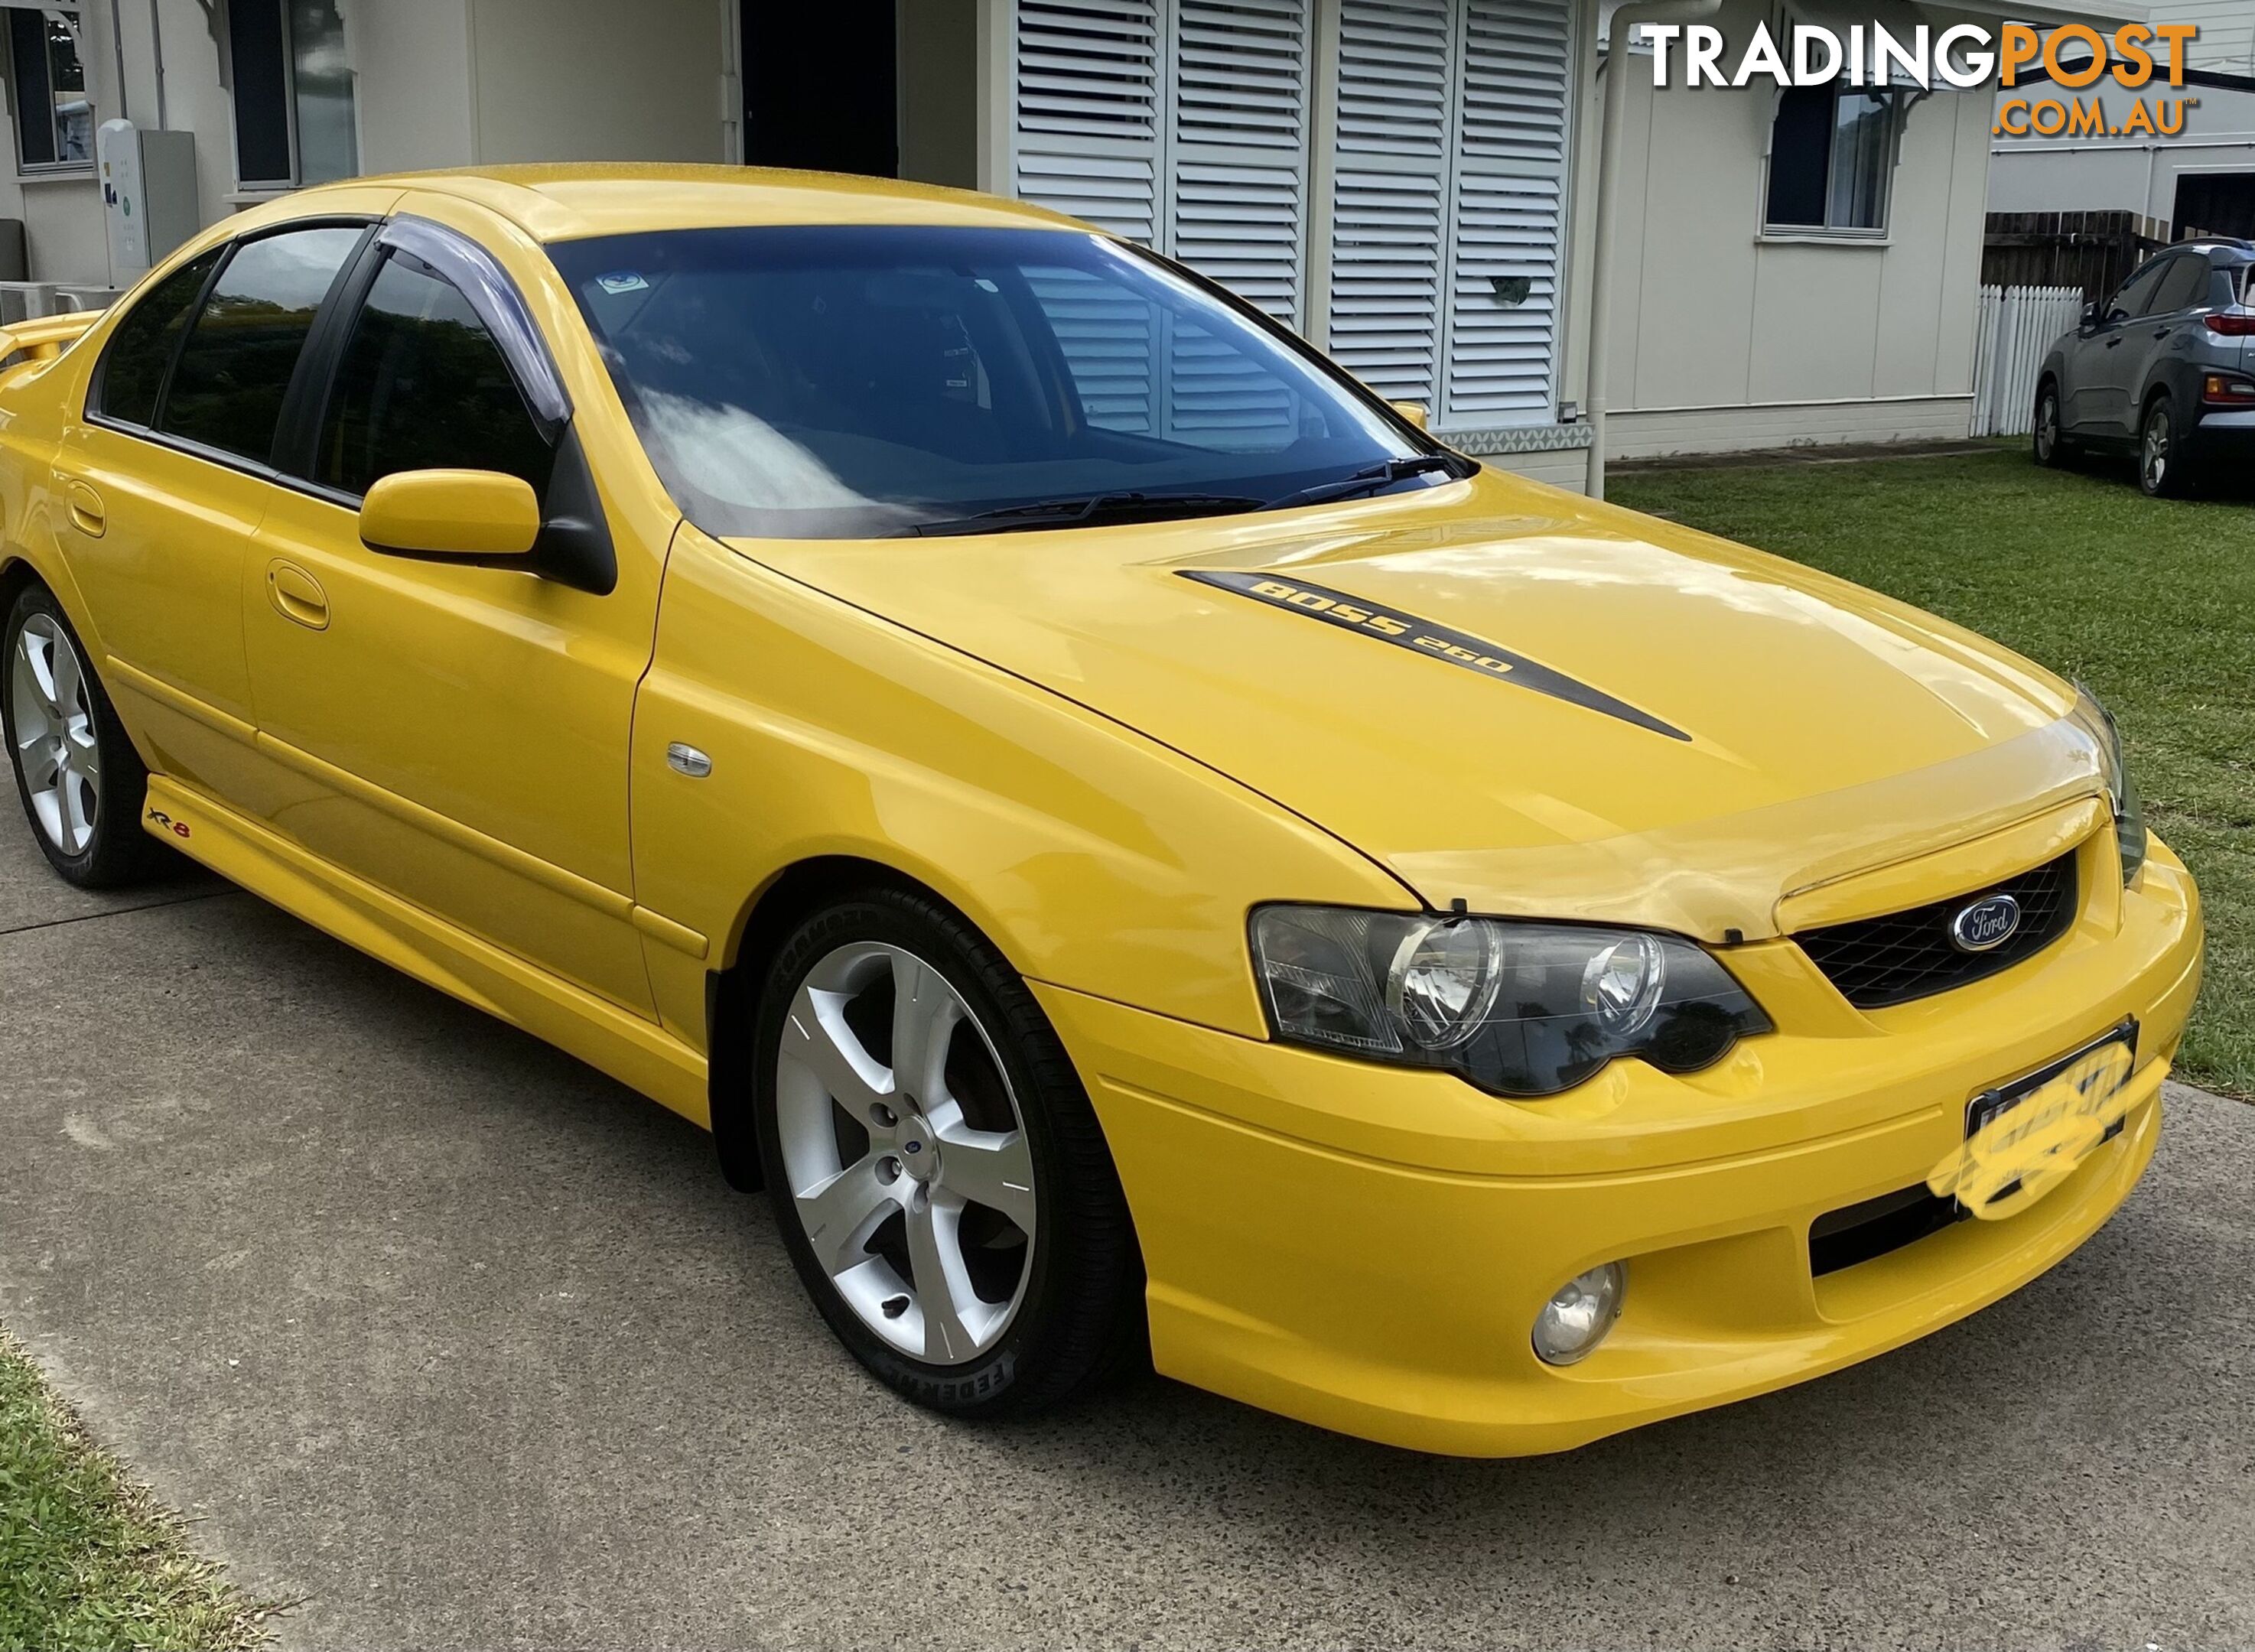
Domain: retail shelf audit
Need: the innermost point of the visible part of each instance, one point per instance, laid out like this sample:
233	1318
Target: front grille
1878	961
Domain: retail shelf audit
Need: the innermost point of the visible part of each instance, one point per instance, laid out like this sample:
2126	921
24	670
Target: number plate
2010	1159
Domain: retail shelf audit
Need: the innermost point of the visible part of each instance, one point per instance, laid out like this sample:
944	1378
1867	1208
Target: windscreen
824	381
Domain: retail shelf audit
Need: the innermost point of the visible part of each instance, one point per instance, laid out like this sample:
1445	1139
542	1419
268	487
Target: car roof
566	202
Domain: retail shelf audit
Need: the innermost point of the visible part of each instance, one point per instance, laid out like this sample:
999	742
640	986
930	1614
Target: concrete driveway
465	1345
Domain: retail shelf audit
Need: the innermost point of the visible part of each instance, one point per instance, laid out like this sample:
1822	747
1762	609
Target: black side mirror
2093	318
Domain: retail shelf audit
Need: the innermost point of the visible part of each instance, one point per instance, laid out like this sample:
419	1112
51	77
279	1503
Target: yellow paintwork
1105	765
468	513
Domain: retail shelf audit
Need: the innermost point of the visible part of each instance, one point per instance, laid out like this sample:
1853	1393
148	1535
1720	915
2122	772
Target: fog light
1576	1319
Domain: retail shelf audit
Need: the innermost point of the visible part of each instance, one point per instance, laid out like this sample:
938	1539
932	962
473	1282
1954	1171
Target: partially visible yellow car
1135	843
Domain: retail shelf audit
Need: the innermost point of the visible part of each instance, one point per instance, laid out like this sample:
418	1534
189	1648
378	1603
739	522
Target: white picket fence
2016	329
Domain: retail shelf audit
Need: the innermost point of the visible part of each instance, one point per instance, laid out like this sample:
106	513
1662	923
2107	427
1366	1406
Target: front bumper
1365	1249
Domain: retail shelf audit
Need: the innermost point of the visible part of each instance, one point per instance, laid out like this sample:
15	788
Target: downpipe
1624	21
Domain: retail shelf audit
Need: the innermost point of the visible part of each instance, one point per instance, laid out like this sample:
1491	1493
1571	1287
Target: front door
455	735
2099	397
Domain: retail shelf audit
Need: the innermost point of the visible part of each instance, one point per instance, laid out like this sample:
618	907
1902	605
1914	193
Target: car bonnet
1510	696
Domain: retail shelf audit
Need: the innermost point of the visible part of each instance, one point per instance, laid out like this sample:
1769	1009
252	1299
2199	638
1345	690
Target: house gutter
1623	27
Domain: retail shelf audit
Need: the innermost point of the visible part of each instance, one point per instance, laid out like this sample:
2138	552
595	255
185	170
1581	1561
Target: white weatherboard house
1409	183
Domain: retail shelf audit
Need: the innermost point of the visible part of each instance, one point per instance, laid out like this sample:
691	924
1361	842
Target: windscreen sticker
1422	636
621	281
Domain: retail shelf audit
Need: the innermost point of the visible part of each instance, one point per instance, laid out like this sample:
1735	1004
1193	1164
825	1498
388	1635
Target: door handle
297	595
2160	332
85	508
2115	342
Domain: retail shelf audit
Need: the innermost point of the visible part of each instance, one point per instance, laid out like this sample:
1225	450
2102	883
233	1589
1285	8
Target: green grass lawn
87	1561
2150	602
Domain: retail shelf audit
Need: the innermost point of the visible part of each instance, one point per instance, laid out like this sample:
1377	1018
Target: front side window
2138	293
421	385
819	382
227	390
1831	160
132	371
55	122
293	90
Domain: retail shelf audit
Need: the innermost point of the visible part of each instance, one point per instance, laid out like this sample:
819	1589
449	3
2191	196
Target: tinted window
54	121
261	82
832	382
133	365
2185	285
1801	156
423	386
227	391
2138	291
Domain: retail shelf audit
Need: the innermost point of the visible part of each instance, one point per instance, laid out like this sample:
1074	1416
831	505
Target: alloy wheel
57	749
2153	452
2047	428
906	1154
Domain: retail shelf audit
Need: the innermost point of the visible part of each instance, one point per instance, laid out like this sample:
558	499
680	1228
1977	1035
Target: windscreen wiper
1091	510
1367	480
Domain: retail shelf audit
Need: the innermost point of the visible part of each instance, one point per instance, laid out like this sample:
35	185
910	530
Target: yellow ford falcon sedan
1146	854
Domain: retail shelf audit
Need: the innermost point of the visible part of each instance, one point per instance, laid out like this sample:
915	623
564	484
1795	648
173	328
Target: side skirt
638	1054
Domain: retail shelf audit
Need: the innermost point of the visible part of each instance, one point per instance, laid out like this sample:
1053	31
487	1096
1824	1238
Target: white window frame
1898	112
247	190
30	171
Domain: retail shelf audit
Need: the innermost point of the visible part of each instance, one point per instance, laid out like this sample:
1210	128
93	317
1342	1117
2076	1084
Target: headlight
2129	818
1519	1008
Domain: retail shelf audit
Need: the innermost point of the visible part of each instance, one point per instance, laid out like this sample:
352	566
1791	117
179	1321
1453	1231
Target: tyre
938	1173
2164	470
2049	438
82	783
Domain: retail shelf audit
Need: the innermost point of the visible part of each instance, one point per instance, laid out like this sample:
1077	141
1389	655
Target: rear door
2165	332
164	480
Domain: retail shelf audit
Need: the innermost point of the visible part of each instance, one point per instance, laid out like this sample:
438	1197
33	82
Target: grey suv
2166	368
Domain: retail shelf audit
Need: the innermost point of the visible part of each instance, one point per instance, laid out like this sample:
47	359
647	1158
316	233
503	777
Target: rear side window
2185	285
421	385
134	363
227	391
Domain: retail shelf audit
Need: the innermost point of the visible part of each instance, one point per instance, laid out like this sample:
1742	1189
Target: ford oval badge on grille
1986	925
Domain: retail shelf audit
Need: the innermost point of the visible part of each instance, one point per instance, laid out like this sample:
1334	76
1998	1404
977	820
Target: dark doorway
2216	204
821	86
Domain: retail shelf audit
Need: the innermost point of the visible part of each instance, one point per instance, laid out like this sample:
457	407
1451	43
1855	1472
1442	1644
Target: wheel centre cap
919	1151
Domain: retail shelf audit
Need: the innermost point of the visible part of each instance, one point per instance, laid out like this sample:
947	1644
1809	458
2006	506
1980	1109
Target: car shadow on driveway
468	1346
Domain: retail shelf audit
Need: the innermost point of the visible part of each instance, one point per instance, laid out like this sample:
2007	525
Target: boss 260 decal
1421	636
